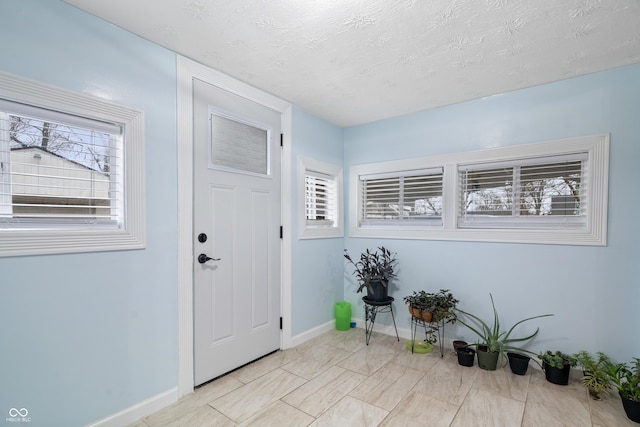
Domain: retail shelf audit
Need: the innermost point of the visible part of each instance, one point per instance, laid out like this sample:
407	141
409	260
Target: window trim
308	231
53	241
594	234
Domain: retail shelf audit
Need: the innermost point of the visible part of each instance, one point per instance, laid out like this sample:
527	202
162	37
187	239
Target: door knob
202	258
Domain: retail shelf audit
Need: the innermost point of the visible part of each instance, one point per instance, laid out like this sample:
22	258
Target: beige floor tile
552	405
139	423
351	340
503	382
245	401
370	358
417	409
351	412
484	408
421	362
204	416
315	359
265	365
388	386
609	412
279	414
200	397
447	380
325	390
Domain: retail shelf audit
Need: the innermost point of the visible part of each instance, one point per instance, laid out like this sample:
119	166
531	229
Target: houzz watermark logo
18	416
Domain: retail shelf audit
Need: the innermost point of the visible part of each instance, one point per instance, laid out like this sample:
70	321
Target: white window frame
44	240
320	229
594	232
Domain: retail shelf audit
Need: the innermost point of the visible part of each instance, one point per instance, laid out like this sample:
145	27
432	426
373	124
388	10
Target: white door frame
187	70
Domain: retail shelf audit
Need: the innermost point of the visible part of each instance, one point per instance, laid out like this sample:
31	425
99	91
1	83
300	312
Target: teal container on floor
343	316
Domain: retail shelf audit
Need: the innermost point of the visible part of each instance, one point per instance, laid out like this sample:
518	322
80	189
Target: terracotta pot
419	314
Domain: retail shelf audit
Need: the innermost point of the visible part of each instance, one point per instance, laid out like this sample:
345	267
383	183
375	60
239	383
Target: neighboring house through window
66	163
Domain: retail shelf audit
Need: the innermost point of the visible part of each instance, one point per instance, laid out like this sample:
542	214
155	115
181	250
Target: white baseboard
312	333
139	410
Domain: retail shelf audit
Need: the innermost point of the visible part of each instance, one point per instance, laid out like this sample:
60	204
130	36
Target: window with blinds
72	171
407	197
320	199
58	170
552	192
526	193
320	204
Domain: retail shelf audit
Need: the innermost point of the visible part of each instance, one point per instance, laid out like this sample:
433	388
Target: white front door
236	231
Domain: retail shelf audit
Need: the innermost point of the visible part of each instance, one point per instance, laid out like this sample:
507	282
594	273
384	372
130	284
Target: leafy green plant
626	378
441	304
596	377
557	359
373	267
494	337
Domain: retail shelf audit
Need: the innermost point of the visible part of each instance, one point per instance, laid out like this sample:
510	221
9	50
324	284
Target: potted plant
373	271
626	378
494	341
429	306
595	372
557	366
465	355
518	362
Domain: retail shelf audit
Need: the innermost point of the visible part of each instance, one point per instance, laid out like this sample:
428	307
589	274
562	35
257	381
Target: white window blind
543	192
400	198
58	170
320	199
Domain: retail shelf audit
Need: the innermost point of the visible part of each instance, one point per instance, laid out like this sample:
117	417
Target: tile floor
337	380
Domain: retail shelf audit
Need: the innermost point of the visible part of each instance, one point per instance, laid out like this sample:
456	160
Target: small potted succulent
373	270
626	379
557	366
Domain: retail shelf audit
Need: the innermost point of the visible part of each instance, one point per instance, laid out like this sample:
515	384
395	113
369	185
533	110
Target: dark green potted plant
626	379
557	366
373	271
428	306
494	342
595	372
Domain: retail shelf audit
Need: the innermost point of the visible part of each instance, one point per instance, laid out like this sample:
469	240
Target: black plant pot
631	408
519	363
459	344
466	356
559	376
377	292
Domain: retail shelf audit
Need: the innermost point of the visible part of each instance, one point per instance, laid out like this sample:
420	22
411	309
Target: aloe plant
494	337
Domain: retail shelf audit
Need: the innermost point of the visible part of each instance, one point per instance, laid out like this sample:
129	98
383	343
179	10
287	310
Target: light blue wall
593	291
317	264
84	336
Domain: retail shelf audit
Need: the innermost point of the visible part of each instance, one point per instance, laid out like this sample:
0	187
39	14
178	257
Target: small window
320	207
402	198
71	171
546	192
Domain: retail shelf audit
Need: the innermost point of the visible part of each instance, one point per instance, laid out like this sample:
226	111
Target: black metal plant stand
437	326
371	309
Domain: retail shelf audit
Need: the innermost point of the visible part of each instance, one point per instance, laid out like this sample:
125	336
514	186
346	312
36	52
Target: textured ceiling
357	61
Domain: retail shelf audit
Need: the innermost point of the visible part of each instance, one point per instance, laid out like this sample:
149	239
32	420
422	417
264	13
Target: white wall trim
187	70
139	410
313	333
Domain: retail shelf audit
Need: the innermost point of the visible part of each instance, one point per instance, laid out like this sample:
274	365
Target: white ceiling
356	61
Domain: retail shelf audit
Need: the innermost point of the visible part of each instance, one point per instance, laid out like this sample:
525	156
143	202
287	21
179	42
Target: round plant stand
433	326
371	310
